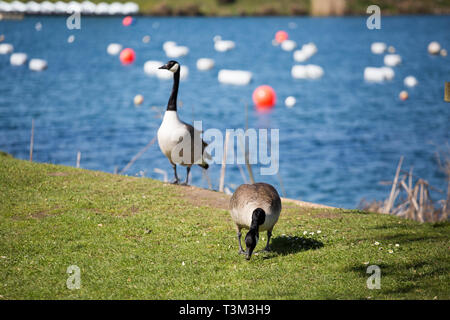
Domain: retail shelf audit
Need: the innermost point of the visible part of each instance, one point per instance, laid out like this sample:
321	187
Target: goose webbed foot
175	181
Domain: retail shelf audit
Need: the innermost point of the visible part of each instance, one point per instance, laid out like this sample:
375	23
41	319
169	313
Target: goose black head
172	66
252	237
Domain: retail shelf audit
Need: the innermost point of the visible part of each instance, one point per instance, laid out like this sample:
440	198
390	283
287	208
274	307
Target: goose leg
269	234
175	172
239	234
188	169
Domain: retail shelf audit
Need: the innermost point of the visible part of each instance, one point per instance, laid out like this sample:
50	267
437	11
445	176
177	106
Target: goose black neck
172	104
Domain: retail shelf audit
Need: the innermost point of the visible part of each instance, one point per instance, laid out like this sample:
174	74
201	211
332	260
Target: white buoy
391	60
6	48
373	74
18	59
151	67
205	64
114	49
434	47
290	101
309	71
169	44
388	73
235	77
378	47
306	52
146	39
138	99
37	64
177	51
38	26
410	81
71	39
443	52
224	45
288	45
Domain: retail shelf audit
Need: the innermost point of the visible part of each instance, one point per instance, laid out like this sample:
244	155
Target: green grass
135	238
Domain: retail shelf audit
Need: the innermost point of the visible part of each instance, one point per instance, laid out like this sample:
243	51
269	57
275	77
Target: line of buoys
223	45
306	52
18	59
373	74
60	7
205	64
37	64
235	77
310	71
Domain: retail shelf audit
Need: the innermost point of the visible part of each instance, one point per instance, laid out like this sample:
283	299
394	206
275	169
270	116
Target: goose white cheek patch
174	67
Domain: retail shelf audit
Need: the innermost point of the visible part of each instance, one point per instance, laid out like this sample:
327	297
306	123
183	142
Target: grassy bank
140	238
280	7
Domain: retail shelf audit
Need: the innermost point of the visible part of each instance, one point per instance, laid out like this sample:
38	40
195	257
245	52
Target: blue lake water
342	137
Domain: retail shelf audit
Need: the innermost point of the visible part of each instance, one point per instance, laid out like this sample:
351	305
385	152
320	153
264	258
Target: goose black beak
164	67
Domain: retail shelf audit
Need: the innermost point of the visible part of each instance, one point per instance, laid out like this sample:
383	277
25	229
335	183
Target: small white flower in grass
183	263
311	233
305	233
376	243
397	245
391	251
3	257
380	248
100	225
366	263
318	231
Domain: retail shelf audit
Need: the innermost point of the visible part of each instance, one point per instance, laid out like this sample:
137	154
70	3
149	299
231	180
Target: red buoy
281	35
264	97
127	21
127	56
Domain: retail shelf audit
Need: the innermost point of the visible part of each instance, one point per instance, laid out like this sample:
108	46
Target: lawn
138	238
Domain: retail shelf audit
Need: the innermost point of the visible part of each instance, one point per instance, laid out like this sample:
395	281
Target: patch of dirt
204	197
218	200
58	174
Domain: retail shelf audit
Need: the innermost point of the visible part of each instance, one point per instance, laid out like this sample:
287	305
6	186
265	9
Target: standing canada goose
255	207
173	134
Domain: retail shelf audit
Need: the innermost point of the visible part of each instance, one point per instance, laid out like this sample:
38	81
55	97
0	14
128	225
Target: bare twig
32	140
394	186
224	162
78	159
138	155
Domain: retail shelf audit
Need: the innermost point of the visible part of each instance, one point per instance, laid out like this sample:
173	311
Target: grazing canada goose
255	207
174	134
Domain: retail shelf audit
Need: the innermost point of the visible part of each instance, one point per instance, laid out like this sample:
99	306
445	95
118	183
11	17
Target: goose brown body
255	207
249	197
